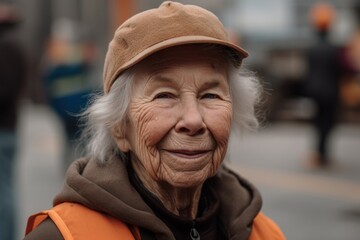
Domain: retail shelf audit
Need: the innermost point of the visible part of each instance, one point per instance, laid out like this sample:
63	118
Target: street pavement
307	204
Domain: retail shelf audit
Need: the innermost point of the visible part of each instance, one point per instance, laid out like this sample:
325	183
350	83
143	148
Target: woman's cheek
151	126
219	123
153	123
220	128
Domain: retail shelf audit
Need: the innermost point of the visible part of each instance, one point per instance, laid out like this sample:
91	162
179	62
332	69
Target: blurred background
305	159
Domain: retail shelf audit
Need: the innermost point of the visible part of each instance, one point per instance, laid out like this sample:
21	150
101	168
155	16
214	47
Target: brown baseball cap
171	24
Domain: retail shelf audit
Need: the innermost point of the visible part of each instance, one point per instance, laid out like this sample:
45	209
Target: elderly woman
157	138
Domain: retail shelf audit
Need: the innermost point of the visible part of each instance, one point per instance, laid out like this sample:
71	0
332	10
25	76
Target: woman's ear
121	139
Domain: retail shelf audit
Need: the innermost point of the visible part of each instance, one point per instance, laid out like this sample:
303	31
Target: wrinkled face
179	117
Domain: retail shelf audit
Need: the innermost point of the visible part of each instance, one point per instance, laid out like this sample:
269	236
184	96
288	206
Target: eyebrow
211	84
158	80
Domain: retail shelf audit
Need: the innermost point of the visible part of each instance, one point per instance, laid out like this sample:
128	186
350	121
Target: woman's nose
191	120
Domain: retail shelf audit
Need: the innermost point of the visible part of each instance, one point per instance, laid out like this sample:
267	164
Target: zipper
194	234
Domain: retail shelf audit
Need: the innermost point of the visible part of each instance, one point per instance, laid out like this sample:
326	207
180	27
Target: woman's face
179	117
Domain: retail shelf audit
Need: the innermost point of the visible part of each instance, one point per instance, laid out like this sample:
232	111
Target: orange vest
76	222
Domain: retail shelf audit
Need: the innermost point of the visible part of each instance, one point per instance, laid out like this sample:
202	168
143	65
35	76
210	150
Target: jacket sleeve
46	230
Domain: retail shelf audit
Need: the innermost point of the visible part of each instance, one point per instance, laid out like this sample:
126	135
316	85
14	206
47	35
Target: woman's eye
164	95
210	96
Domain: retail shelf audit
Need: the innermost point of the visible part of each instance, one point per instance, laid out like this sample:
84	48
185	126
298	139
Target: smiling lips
189	153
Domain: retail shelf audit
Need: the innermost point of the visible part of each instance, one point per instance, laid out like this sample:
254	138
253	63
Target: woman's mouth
188	153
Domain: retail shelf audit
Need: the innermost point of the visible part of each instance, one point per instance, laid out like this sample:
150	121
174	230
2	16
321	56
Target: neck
180	201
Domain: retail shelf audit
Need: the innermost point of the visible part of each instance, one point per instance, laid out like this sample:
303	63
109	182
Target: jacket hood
107	189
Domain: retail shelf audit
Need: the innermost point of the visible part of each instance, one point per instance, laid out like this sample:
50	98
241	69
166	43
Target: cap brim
177	42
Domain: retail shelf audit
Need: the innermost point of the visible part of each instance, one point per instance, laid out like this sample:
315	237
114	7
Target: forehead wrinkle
168	73
160	80
201	82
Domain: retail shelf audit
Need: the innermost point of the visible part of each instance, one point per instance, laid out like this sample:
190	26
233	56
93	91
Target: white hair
106	112
109	110
245	90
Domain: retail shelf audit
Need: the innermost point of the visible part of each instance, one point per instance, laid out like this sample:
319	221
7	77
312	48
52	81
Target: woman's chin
188	179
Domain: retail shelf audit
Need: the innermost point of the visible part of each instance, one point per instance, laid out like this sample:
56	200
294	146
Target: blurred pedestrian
174	89
12	79
322	82
67	66
350	86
